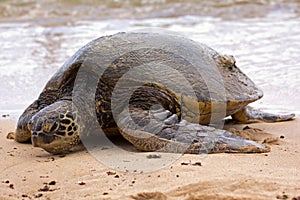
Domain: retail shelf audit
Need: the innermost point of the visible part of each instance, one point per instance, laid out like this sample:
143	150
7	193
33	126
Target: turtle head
55	128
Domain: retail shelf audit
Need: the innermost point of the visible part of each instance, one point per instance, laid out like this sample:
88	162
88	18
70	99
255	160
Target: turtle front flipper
249	114
161	131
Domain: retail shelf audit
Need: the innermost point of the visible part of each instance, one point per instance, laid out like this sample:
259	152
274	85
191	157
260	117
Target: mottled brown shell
214	78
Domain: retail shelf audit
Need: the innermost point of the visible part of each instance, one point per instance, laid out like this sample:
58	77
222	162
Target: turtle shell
109	70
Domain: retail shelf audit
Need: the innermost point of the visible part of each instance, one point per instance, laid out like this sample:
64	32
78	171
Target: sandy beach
37	37
32	173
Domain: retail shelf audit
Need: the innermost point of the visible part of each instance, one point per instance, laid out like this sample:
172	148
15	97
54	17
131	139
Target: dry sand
31	173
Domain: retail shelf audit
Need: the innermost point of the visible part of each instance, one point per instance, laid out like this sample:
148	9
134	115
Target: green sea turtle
161	92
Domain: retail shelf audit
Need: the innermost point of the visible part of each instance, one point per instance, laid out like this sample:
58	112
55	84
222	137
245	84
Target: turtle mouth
54	144
40	139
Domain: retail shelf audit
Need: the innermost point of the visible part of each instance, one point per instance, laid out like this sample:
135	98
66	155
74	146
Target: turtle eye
54	126
29	125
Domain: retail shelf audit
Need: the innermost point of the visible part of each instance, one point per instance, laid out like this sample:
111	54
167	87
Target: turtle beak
38	139
34	141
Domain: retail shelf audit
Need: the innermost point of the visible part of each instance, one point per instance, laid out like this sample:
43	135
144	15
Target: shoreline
28	172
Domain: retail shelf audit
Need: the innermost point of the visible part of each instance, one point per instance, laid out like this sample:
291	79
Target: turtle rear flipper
249	114
148	132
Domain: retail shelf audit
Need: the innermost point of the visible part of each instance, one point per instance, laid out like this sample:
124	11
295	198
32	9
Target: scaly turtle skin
159	91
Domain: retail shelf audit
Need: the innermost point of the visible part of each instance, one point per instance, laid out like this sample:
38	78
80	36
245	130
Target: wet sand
29	173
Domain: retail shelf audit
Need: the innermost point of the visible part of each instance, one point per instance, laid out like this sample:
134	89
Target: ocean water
37	37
